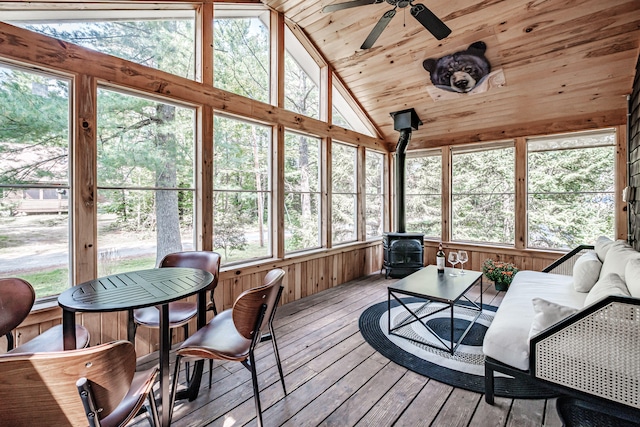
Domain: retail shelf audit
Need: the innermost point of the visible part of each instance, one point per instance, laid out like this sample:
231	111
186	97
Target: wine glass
453	260
462	258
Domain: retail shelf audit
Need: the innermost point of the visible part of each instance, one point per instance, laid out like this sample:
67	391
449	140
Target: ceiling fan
419	11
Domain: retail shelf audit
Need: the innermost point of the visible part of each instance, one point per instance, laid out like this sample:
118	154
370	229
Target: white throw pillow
603	243
586	271
611	284
547	313
632	277
616	260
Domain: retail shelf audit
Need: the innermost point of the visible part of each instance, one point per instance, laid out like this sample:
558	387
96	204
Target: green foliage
241	57
483	196
501	273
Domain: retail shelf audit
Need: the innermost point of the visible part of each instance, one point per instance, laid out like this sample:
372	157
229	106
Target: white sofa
574	327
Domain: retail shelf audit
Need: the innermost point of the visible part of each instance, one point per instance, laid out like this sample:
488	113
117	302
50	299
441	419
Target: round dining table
137	289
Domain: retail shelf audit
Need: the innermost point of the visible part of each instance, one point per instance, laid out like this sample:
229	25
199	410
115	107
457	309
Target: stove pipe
403	121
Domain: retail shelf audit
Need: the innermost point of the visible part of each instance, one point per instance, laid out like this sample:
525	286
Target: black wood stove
403	252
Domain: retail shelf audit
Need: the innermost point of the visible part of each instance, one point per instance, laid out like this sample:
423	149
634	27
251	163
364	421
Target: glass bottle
440	260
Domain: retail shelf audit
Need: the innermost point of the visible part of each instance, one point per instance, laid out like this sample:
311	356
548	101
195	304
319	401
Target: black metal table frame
68	327
413	317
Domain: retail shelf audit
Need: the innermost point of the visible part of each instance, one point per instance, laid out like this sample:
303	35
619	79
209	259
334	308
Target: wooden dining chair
16	300
97	386
234	334
181	312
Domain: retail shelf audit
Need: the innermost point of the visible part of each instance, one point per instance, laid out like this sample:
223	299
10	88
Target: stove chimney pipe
403	121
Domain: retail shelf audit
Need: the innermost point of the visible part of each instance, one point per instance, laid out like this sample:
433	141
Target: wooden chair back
248	305
16	299
204	260
40	388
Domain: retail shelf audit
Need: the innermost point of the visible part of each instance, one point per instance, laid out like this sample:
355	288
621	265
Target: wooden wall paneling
321	279
109	327
521	193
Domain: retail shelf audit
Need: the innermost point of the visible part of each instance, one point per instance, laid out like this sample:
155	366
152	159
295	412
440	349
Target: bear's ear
478	47
429	64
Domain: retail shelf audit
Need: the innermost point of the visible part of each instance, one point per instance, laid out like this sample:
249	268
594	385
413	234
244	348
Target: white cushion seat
507	339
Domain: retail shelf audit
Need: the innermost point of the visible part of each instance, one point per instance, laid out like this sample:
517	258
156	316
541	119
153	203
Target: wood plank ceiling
567	64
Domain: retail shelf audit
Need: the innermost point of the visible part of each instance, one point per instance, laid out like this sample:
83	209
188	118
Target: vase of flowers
501	273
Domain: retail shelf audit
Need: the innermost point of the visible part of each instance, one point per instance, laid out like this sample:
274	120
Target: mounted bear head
460	71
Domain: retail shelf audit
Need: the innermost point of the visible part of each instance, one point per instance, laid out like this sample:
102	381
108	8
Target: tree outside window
145	181
374	193
242	190
302	192
483	194
241	55
34	179
301	80
423	193
164	40
570	189
344	193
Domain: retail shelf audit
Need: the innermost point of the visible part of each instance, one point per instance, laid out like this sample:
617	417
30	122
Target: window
483	194
302	192
344	114
302	79
145	181
344	193
242	190
241	51
570	189
423	193
374	193
161	39
34	179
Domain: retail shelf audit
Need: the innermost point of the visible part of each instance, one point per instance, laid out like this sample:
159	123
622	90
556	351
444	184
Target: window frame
474	148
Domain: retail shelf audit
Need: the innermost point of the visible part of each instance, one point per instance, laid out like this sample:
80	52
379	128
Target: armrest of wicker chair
564	264
593	353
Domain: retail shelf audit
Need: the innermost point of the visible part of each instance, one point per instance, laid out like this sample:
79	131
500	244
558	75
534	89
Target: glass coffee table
432	287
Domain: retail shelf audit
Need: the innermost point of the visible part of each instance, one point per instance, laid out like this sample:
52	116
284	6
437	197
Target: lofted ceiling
563	65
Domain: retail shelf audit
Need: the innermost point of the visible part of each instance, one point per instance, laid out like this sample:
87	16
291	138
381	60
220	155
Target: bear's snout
462	82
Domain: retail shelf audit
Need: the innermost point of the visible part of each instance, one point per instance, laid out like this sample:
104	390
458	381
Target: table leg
69	330
165	339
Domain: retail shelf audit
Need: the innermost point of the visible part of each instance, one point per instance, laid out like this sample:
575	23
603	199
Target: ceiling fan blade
378	29
430	21
349	4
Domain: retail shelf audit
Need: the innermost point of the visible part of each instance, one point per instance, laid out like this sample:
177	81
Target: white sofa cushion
611	284
632	277
602	246
548	313
617	257
507	339
586	271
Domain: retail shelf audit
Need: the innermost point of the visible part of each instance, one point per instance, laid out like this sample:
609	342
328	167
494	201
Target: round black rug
464	369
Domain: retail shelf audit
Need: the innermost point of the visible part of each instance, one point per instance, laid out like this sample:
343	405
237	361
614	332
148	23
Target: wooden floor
335	378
